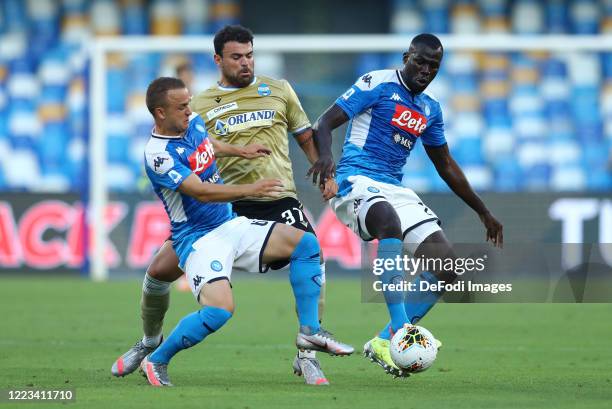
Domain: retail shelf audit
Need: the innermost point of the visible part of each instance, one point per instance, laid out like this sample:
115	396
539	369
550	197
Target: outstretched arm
324	168
454	177
250	151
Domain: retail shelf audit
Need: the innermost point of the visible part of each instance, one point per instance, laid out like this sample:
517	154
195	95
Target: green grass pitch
66	333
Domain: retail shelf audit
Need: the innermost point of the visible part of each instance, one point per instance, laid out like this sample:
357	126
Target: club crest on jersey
202	157
243	121
409	120
264	90
221	127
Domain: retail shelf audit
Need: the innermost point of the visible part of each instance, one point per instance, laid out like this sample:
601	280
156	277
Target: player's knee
224	304
383	222
307	248
217	293
161	270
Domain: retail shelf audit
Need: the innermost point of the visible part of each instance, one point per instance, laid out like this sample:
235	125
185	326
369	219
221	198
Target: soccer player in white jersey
208	237
389	113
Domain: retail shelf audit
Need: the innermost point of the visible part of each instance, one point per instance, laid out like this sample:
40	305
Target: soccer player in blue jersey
210	240
389	113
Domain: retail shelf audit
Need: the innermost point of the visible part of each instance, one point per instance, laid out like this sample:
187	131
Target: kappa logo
197	280
157	162
409	120
367	79
160	162
356	205
396	97
180	150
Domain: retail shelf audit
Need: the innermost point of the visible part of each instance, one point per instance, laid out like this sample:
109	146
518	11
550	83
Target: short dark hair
229	33
157	90
427	39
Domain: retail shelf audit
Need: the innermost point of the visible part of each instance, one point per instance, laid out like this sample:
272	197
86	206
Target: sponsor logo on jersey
214	178
396	97
264	90
402	140
409	120
215	112
202	157
243	121
356	206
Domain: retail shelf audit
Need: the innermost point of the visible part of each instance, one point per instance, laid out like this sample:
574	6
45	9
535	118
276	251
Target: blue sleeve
359	97
166	170
434	133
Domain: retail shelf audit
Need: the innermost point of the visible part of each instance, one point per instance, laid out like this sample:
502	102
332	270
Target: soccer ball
413	348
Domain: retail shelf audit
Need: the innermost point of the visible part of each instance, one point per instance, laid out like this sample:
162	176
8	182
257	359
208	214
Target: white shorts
236	244
418	221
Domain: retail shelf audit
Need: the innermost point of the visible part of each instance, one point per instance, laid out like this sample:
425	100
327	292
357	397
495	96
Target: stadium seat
496	105
406	18
527	17
23	171
556	16
134	18
584	15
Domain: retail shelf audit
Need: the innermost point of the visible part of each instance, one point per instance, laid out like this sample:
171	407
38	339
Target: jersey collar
159	136
401	80
222	88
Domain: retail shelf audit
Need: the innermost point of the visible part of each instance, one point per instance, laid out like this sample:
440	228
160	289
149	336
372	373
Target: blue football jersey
386	120
168	162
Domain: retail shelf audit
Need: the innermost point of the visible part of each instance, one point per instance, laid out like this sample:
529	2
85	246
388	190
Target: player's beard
238	80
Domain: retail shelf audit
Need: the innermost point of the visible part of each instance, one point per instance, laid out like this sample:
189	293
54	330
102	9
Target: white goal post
100	47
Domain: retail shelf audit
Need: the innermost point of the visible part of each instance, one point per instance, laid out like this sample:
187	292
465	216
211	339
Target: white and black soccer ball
413	348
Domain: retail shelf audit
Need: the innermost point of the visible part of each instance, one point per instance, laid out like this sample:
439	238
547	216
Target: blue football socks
191	330
305	279
391	249
418	303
